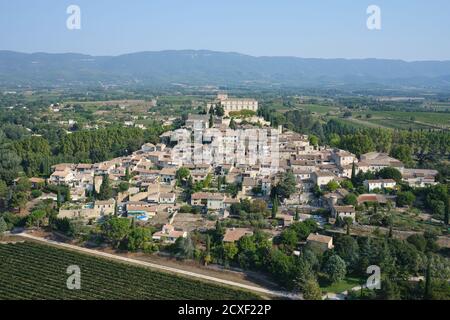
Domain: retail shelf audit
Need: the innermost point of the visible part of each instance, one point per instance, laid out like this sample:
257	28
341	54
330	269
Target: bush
12	220
196	210
350	199
347	184
335	268
390	173
36	193
418	241
186	209
406	198
438	209
3	226
332	186
376	219
123	186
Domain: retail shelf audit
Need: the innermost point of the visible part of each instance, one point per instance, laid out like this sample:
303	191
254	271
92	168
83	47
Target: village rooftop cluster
155	193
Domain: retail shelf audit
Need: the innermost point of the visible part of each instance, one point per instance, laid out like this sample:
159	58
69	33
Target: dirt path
244	277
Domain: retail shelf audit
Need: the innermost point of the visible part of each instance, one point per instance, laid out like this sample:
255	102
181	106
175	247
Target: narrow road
164	268
343	295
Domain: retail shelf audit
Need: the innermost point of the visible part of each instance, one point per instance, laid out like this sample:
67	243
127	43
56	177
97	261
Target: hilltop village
158	187
225	186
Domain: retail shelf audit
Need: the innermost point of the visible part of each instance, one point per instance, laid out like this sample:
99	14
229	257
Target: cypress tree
447	209
428	288
219	183
211	120
127	174
58	199
232	124
297	214
275	207
207	258
353	177
105	189
3	227
208	244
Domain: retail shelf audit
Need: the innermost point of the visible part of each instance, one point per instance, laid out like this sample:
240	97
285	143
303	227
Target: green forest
34	155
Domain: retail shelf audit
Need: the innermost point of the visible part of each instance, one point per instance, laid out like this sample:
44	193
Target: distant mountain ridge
202	67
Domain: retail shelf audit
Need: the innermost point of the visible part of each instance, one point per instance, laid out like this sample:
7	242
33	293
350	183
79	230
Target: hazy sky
411	29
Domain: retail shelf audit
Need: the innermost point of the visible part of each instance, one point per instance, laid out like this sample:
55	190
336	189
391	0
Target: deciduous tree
335	268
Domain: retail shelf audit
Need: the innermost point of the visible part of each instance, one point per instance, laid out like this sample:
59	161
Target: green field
364	118
391	119
319	109
400	124
406	120
415	120
440	105
339	287
34	271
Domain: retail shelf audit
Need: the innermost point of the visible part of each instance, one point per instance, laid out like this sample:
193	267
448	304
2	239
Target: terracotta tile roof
207	196
140	208
168	171
319	238
249	182
85	166
167	195
104	202
344	209
381	181
324	174
234	234
367	198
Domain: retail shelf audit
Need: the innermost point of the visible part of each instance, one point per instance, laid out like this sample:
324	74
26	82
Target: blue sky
411	30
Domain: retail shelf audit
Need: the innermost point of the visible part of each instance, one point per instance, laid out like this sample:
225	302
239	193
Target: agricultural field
389	119
400	124
112	109
319	109
358	123
416	120
33	271
165	105
410	221
440	106
178	105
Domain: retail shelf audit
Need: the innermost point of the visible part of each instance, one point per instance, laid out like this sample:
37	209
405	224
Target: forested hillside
203	67
35	155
